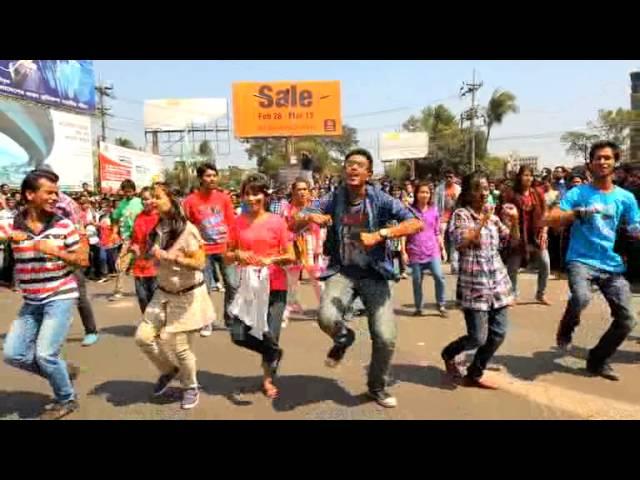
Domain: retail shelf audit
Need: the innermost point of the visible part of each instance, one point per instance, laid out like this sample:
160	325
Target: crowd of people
352	237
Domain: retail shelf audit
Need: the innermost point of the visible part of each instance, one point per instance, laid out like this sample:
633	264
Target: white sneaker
285	318
206	331
114	297
220	287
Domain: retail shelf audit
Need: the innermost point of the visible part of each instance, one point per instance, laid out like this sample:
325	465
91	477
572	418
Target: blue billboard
60	83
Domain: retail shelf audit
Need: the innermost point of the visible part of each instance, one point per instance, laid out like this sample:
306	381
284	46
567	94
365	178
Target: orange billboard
286	109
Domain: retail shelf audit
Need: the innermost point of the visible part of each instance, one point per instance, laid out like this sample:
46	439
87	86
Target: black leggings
267	347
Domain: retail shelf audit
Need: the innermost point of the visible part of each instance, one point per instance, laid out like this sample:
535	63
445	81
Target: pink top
266	238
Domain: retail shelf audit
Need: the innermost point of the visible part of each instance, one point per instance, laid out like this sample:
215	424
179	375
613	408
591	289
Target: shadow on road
530	367
22	404
120	330
108	294
428	376
295	390
122	393
410	313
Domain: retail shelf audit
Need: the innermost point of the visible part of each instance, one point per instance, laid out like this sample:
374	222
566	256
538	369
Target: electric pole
104	91
472	113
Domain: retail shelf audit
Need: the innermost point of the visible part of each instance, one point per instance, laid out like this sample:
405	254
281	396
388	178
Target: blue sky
377	96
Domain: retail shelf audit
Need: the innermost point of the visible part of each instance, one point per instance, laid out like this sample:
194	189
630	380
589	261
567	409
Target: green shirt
126	214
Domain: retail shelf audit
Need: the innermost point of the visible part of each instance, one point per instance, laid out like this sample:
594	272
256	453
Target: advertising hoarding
403	145
66	84
119	163
32	136
286	109
179	113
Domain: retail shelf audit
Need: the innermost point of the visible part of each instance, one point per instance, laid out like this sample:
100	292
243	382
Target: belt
184	290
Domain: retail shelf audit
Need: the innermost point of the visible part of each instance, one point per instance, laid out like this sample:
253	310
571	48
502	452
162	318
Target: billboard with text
32	136
59	83
119	163
403	145
286	109
180	113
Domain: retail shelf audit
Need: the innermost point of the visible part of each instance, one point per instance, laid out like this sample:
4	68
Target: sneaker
336	354
56	411
190	398
220	287
89	339
102	280
543	300
443	311
417	313
604	370
404	276
453	369
383	398
206	331
114	297
468	381
163	383
285	318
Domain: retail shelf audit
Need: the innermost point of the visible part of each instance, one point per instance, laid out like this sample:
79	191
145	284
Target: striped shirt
483	283
43	278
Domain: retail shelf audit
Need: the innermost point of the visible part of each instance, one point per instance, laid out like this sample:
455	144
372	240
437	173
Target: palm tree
502	103
124	142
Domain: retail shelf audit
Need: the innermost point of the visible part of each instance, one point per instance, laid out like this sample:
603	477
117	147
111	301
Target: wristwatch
384	233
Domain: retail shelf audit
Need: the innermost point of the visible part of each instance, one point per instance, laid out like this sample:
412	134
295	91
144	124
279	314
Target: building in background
514	162
634	137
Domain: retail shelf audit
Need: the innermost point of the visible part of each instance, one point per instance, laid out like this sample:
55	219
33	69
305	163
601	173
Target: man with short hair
446	197
211	210
357	215
595	210
560	180
123	217
4	194
46	249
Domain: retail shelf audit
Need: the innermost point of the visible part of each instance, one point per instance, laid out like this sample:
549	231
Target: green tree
578	143
397	172
125	143
206	153
501	104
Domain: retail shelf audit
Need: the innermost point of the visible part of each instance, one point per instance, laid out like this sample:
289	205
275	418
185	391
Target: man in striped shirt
46	248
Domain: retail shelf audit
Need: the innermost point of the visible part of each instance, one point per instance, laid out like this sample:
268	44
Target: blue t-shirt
592	239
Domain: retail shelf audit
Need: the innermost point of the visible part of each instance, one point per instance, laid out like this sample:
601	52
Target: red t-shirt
142	227
213	214
266	238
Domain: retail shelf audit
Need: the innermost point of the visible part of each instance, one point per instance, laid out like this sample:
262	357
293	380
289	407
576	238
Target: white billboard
179	113
119	163
403	145
33	136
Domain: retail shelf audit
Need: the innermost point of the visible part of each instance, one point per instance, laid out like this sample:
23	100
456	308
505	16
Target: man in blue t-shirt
595	211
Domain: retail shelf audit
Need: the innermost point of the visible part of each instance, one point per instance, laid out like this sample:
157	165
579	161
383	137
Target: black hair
145	190
4	185
448	171
300	180
32	180
203	167
604	144
416	190
128	184
361	151
469	182
517	184
171	225
256	183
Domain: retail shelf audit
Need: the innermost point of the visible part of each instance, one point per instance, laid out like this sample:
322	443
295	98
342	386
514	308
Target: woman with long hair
425	249
180	305
533	245
484	290
261	245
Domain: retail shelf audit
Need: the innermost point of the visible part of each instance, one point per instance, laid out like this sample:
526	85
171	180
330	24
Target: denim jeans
452	253
486	332
616	291
84	306
229	278
145	286
269	345
417	274
540	261
375	293
35	341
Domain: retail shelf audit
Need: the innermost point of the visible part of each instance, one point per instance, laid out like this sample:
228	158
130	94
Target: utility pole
104	91
472	113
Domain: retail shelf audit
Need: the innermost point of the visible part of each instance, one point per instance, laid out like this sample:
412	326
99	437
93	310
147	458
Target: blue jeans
540	260
145	287
616	291
35	341
486	332
229	278
375	293
417	274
